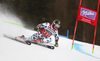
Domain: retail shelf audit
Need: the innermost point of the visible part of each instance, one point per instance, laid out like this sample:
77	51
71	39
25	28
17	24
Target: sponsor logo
88	13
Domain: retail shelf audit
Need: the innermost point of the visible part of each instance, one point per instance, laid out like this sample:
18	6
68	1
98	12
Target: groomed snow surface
11	50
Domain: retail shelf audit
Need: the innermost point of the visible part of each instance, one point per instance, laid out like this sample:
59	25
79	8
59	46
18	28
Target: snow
11	50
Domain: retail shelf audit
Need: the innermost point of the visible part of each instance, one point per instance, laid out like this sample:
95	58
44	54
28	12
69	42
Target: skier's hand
37	28
56	43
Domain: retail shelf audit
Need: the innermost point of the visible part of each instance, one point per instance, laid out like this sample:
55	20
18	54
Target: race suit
45	33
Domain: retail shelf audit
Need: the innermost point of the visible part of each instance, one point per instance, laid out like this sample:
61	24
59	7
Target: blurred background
33	12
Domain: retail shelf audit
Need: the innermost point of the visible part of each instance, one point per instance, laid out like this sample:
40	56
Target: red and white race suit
46	31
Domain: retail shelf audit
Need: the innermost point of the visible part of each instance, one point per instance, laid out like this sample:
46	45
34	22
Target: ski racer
45	31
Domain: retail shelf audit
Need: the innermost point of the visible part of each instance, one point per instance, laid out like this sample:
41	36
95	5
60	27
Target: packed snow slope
11	50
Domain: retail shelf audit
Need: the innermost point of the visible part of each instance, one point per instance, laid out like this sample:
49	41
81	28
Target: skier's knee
47	40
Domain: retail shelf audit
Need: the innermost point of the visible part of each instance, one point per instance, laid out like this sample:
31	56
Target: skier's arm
39	26
42	25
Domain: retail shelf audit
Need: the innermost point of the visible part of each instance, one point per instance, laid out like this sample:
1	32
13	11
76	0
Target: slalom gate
88	16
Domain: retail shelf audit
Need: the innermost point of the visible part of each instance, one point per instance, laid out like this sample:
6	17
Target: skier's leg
43	39
46	40
37	37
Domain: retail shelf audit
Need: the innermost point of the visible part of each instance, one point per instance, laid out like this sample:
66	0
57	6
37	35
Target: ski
13	38
47	46
29	42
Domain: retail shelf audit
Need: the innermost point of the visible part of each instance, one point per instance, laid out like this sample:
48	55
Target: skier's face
55	27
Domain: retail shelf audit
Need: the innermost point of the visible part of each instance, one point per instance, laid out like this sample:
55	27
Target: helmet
56	23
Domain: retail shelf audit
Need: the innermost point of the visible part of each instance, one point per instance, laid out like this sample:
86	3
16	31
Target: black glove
56	43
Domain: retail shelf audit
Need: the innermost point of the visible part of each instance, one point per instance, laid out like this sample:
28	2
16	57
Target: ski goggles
57	25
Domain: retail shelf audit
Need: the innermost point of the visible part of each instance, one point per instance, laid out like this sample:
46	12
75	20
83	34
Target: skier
45	31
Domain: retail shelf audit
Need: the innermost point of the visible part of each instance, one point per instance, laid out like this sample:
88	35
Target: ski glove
56	43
